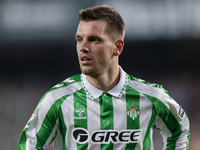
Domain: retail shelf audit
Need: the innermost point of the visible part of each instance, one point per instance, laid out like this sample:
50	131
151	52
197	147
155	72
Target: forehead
91	28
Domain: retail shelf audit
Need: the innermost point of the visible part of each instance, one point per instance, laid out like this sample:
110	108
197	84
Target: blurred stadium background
37	50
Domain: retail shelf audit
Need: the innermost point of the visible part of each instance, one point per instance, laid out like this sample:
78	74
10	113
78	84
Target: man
104	108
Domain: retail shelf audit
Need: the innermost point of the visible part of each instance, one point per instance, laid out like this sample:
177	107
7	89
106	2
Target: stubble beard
96	71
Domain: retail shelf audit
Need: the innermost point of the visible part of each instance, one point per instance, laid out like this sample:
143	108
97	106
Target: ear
119	45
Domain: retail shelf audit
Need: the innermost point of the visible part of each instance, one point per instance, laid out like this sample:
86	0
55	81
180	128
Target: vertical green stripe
169	120
80	114
132	99
49	123
106	116
188	137
22	140
147	139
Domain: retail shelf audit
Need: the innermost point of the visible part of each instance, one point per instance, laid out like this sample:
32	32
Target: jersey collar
116	91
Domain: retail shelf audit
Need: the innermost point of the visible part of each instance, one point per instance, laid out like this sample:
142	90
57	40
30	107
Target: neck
107	81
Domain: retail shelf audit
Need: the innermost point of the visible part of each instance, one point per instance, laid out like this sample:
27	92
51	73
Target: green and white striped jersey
77	116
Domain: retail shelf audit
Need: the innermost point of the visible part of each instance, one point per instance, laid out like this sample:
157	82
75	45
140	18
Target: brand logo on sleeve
133	112
81	136
181	112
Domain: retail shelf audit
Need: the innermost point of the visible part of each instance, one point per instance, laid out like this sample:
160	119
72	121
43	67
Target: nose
84	46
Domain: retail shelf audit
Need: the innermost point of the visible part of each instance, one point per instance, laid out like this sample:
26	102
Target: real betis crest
133	112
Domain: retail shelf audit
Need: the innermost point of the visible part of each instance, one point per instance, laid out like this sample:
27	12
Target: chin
85	70
90	72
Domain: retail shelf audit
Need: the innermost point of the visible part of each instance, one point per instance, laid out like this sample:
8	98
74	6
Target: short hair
115	23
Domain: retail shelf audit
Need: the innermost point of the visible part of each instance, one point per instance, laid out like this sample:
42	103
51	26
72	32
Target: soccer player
104	108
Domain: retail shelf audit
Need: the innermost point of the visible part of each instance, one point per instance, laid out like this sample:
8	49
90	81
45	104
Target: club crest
133	112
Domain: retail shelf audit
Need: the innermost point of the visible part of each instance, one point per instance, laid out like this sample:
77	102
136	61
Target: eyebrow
91	36
94	36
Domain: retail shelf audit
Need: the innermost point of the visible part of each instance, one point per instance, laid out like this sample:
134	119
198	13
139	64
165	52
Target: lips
85	59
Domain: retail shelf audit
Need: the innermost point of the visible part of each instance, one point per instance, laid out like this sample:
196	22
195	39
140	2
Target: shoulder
147	88
64	88
59	93
159	97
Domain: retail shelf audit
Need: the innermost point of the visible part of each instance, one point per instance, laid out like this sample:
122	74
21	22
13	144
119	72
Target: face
94	47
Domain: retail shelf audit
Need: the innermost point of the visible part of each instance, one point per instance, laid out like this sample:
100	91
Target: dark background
38	50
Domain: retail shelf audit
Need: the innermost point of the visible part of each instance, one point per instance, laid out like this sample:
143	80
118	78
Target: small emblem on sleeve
181	112
31	118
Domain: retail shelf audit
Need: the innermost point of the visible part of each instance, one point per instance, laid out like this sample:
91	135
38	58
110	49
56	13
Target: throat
104	83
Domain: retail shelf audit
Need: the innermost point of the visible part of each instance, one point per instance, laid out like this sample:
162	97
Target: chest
107	112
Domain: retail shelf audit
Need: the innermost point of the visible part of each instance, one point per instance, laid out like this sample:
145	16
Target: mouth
85	60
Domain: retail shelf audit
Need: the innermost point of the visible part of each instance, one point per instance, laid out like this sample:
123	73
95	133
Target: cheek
77	47
106	53
103	57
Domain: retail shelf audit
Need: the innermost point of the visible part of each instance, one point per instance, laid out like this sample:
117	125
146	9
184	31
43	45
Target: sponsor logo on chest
81	136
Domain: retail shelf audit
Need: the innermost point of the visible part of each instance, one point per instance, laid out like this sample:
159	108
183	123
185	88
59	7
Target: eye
78	39
93	39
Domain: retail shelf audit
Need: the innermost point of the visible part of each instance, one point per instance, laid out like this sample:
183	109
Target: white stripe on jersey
120	118
145	116
93	118
68	116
